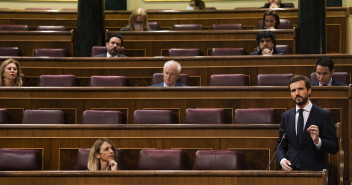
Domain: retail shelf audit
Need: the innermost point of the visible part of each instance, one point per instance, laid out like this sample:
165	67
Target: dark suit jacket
306	156
333	83
106	55
162	84
275	52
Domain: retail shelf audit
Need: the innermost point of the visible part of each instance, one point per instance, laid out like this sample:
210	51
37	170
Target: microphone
271	160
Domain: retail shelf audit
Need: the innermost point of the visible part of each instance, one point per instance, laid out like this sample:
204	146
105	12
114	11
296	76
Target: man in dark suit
113	46
324	69
309	130
266	43
171	74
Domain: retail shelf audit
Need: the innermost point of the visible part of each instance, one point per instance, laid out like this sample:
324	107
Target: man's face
323	74
266	43
274	1
113	46
299	93
170	74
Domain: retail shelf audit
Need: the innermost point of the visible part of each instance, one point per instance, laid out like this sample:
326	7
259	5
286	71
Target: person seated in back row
270	20
171	74
266	44
276	4
113	46
196	5
102	156
138	21
324	69
10	71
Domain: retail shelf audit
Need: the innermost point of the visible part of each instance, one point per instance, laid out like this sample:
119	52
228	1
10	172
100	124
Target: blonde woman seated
10	71
102	156
138	21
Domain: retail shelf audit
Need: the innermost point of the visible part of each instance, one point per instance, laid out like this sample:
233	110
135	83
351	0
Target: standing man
113	46
171	74
266	44
309	130
324	69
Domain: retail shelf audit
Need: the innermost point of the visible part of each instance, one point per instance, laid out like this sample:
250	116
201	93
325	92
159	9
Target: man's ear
332	72
106	44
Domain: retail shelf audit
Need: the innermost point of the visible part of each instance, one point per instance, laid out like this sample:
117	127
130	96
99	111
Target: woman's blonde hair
133	16
18	80
93	161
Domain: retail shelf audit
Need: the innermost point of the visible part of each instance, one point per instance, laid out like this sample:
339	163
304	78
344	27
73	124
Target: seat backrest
180	27
227	26
254	115
57	80
9	51
50	52
343	77
154	25
274	79
111	81
205	116
229	80
3	116
83	154
12	27
161	160
51	28
20	160
210	8
227	51
43	117
284	24
285	48
158	78
185	52
97	50
153	117
217	160
102	117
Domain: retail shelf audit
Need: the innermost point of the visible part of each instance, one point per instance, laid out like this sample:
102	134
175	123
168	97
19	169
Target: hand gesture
314	133
286	165
113	165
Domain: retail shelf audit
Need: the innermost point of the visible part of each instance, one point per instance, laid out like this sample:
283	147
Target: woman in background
10	71
102	156
196	5
138	21
270	20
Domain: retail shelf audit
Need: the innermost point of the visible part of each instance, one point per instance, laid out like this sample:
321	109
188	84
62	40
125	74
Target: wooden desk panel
157	43
27	41
164	177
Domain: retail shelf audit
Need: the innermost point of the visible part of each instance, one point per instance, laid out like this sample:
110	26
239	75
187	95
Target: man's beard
304	100
113	52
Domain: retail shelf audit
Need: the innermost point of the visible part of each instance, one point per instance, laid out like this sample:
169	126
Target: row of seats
21	27
153	25
60	52
215	79
192	116
148	159
39	52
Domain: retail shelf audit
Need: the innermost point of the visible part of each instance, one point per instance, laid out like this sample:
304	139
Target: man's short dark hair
266	34
297	78
324	61
115	35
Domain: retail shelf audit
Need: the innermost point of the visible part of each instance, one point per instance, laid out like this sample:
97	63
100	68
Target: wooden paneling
114	20
27	41
158	42
164	177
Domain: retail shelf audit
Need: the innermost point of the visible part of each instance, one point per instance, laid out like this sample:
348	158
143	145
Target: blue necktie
300	125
